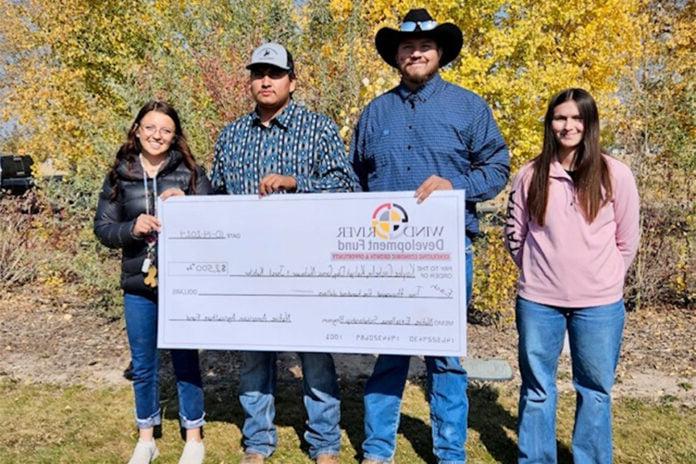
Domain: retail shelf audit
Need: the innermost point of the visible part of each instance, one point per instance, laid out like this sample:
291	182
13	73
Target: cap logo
271	54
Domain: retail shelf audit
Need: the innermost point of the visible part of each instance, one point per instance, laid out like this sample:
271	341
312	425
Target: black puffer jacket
115	218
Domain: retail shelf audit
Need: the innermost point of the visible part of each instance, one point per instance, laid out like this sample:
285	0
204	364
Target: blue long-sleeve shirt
404	137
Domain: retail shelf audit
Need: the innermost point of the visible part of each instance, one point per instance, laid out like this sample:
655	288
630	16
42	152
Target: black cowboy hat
419	22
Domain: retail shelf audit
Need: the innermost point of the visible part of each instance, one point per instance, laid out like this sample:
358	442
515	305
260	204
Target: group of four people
572	230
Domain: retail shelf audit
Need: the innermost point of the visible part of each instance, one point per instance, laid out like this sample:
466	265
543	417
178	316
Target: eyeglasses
410	26
165	132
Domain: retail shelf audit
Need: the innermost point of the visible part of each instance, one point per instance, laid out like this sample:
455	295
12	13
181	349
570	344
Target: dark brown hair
131	148
592	172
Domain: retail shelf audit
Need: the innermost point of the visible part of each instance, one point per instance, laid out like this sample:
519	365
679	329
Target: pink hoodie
569	262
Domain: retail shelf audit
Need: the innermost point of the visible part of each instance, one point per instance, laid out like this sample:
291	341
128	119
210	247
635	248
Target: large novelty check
348	273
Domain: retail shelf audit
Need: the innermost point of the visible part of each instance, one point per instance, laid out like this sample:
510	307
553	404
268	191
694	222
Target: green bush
89	269
18	246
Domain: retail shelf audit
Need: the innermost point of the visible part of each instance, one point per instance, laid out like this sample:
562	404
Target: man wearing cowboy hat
424	135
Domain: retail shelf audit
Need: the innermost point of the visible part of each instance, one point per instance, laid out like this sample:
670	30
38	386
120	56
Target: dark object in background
15	173
128	372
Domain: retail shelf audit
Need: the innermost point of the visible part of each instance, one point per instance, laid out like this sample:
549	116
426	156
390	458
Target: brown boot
327	459
252	458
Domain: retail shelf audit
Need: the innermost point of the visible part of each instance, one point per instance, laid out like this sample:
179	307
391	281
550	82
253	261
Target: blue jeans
595	341
141	326
449	406
257	386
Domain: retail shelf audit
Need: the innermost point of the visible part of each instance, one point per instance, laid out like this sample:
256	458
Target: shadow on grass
490	419
219	384
418	434
221	380
352	413
487	415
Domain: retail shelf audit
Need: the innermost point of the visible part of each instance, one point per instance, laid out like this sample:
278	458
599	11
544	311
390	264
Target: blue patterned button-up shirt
297	143
404	137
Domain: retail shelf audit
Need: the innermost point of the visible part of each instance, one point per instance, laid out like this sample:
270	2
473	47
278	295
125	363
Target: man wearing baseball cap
282	147
426	134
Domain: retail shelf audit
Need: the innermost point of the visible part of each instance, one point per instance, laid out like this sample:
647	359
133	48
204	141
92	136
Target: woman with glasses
155	161
573	231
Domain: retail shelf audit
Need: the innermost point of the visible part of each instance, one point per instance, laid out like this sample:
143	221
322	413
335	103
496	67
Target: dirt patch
65	343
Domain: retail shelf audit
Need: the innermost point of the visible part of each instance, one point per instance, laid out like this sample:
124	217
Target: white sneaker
193	453
144	453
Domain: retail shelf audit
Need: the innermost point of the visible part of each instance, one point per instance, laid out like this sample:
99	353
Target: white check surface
348	273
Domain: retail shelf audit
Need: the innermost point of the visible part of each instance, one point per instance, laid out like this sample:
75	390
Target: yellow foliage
516	54
495	275
59	82
76	70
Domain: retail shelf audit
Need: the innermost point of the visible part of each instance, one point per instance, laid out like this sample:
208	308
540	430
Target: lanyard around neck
147	193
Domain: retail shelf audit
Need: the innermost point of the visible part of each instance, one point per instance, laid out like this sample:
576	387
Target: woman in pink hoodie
573	230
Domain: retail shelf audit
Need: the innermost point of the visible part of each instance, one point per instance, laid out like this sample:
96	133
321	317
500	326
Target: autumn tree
516	54
76	71
657	127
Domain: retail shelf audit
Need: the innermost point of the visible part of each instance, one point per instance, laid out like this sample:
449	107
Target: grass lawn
51	424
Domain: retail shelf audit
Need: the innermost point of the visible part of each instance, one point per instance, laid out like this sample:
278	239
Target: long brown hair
590	166
131	148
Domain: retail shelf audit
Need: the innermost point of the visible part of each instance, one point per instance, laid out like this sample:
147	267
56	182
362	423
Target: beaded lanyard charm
148	266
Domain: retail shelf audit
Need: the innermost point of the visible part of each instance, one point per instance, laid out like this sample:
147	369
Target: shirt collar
556	170
422	93
282	120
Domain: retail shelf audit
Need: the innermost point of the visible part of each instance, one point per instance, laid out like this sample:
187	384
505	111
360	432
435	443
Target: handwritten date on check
329	272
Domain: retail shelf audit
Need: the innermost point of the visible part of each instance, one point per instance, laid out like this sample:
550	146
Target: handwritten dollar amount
198	268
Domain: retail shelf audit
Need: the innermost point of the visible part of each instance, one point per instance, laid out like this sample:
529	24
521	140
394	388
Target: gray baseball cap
273	54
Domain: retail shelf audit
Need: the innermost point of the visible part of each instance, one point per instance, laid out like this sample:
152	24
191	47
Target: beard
419	77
